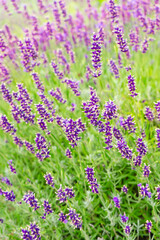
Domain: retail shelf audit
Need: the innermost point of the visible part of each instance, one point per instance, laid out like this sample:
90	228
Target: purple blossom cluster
96	55
117	134
158	193
116	202
6	125
30	199
124	218
114	69
6	181
149	114
57	95
38	83
68	153
29	147
129	124
11	166
124	149
125	189
47	209
138	160
42	149
127	230
92	180
73	85
63	217
157	107
49	179
59	74
120	40
110	110
32	232
75	219
72	129
62	195
141	147
148	225
9	195
131	86
146	171
158	137
144	191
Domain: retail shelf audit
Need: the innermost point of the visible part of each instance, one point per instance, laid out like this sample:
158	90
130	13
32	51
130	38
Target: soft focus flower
63	217
125	189
30	199
158	193
117	202
110	110
131	86
141	147
124	149
144	191
49	179
47	209
138	160
158	137
13	170
157	107
114	69
117	134
148	113
96	55
146	171
6	181
148	225
129	124
74	217
91	180
124	218
127	229
73	85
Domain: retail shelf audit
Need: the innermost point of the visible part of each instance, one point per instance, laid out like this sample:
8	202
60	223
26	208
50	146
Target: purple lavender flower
138	160
129	124
124	218
157	107
74	217
141	147
110	111
148	225
96	55
117	202
144	191
42	124
35	231
63	8
63	217
69	192
43	151
146	171
158	137
127	229
113	11
73	85
91	108
114	69
12	169
68	153
6	181
149	114
117	134
131	86
6	94
158	193
17	141
29	147
30	199
10	196
143	134
125	189
91	180
6	126
56	14
26	235
59	74
38	83
49	179
145	46
108	135
58	95
61	195
120	40
47	209
124	149
1	220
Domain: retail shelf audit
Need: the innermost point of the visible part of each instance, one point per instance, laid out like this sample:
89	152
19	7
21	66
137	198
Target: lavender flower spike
157	107
92	181
148	225
149	114
131	86
158	137
110	111
117	202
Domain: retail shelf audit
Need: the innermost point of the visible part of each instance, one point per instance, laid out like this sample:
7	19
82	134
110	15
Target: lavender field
79	119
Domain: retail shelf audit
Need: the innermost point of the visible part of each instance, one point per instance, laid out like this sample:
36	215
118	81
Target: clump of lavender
30	199
74	217
91	180
6	181
125	189
96	55
113	11
63	217
41	144
124	218
29	147
131	86
127	229
43	113
114	69
9	195
124	149
72	109
158	193
6	126
63	194
138	160
38	83
12	169
110	110
32	232
58	95
47	209
144	191
157	107
149	114
146	171
129	124
120	40
108	135
117	134
141	147
68	153
6	94
49	179
158	137
145	46
148	225
59	74
116	202
73	85
17	141
91	108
